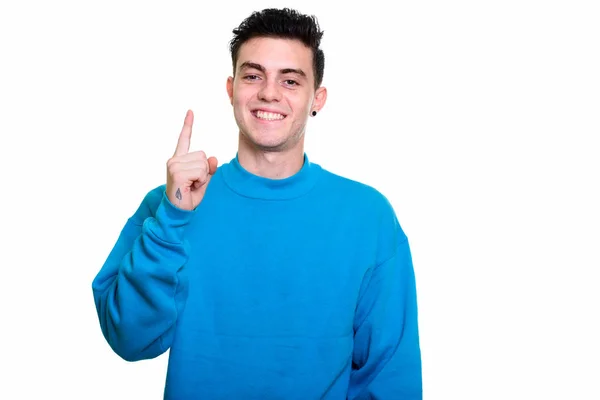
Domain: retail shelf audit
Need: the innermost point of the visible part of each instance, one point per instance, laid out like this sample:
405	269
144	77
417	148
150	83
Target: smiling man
267	277
276	84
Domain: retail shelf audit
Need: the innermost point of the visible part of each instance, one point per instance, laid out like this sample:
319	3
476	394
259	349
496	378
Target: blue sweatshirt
298	288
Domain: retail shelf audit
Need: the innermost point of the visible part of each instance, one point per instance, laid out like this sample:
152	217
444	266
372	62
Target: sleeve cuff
172	219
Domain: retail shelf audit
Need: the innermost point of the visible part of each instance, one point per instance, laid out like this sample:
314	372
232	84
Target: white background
479	120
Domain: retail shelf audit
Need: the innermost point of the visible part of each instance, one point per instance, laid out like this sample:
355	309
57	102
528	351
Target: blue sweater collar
247	184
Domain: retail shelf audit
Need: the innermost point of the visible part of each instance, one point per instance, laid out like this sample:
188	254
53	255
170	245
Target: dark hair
285	24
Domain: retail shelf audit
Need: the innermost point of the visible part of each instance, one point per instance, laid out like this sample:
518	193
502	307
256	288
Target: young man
267	277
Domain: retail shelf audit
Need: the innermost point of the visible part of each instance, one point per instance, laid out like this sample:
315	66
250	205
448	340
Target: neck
279	164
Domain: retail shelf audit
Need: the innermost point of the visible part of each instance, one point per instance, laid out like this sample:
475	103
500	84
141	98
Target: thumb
212	165
212	168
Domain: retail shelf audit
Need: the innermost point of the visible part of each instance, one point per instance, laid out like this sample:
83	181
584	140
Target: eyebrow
248	64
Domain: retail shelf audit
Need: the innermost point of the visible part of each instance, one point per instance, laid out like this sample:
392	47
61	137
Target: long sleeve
138	292
387	355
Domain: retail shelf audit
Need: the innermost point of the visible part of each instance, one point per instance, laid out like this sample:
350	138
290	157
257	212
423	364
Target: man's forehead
261	41
263	50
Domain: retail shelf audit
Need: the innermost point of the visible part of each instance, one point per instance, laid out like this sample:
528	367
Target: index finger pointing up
183	144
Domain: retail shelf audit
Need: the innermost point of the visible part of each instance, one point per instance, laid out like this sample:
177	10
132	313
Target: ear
320	99
230	89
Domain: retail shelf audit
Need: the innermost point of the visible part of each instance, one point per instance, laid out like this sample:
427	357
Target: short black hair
283	23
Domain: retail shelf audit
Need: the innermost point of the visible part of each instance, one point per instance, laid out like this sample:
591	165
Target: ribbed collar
247	184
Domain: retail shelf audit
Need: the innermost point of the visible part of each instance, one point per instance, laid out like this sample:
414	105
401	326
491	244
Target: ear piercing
314	113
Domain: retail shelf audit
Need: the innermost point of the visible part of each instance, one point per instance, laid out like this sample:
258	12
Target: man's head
277	75
283	24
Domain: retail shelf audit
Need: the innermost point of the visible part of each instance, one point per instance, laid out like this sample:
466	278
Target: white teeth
268	115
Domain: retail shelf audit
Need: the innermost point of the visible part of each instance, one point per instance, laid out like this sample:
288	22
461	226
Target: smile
267	116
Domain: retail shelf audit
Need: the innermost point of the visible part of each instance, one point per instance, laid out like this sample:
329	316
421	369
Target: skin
273	75
266	77
188	173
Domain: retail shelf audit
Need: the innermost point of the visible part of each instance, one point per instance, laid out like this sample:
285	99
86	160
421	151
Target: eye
251	77
291	82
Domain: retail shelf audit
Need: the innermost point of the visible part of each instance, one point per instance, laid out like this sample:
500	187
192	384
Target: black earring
314	113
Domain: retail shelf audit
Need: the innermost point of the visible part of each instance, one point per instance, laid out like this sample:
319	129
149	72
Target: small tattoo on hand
178	194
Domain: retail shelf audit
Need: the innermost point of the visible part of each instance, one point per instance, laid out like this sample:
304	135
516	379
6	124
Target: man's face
273	93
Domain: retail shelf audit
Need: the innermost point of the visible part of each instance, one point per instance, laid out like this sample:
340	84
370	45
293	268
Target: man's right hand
188	174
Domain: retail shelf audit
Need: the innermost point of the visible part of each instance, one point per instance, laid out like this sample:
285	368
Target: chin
264	142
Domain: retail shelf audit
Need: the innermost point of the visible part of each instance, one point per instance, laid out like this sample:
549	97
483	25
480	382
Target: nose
269	91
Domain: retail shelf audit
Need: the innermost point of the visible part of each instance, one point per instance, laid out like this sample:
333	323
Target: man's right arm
138	292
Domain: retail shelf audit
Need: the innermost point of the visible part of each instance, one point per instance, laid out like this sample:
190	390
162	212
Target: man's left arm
387	355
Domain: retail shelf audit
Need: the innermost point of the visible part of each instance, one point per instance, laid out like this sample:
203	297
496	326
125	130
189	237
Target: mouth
268	115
